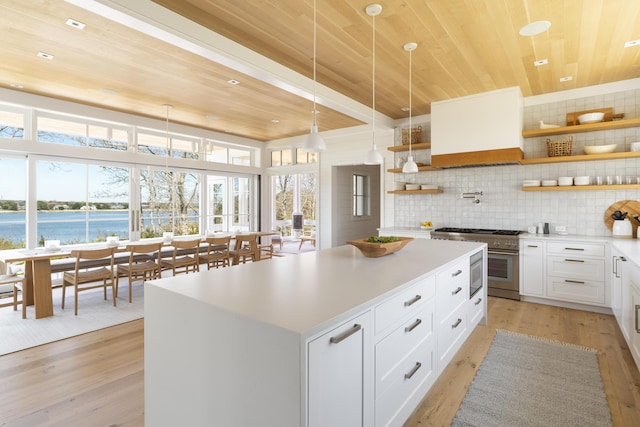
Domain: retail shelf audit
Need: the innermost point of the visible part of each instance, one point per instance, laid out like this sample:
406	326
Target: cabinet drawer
576	267
407	378
576	249
586	291
452	288
396	346
475	309
450	333
413	298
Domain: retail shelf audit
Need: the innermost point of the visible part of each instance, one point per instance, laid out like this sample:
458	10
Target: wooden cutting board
572	118
632	207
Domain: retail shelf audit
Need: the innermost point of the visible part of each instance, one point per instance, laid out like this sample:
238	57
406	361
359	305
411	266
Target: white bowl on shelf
412	187
582	180
590	118
565	180
428	187
531	183
549	183
635	146
600	149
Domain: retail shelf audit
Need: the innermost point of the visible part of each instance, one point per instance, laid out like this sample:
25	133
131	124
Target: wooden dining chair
144	264
245	248
93	269
185	257
217	252
10	285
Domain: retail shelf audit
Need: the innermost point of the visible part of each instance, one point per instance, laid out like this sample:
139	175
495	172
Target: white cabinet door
532	268
339	375
616	284
634	311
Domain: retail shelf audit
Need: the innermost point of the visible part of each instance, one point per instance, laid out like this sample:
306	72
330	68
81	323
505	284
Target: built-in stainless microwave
475	273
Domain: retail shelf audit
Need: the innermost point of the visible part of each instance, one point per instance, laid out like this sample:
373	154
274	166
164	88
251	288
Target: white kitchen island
323	338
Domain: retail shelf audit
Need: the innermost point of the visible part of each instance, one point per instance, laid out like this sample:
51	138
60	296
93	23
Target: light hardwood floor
96	379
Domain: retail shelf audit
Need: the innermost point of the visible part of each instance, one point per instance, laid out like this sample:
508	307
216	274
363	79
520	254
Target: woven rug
528	381
94	313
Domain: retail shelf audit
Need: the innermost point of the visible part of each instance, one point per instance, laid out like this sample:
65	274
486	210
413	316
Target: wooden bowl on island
378	249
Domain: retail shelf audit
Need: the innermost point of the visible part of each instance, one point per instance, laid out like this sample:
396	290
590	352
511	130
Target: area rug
93	313
529	381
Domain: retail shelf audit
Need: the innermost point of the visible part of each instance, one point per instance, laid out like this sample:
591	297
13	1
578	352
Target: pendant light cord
410	107
314	62
373	66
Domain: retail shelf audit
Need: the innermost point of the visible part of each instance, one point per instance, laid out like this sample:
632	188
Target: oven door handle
490	252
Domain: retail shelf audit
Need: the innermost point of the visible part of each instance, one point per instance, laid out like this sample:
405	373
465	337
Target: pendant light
373	156
410	166
314	142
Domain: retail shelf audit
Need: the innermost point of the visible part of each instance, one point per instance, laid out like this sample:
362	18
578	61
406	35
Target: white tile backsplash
504	204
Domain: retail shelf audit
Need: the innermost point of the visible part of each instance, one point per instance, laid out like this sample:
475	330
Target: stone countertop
306	292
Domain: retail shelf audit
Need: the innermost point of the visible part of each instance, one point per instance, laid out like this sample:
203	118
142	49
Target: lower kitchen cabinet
569	271
629	321
338	369
532	274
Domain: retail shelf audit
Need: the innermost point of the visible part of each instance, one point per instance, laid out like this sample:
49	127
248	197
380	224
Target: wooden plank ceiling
464	47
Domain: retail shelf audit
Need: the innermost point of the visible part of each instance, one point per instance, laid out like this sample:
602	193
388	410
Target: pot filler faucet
475	196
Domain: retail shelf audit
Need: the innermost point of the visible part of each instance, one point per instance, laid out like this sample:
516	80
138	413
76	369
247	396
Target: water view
66	226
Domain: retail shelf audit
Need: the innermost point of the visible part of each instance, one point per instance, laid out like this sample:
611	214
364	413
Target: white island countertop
303	293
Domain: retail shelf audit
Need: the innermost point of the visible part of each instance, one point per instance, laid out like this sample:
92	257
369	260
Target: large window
94	193
294	193
230	204
81	203
169	202
13	189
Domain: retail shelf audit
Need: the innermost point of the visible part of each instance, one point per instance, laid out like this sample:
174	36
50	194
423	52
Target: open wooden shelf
589	127
420	169
584	187
419	146
581	158
419	191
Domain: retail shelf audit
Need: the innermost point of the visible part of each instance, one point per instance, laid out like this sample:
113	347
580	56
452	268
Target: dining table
38	291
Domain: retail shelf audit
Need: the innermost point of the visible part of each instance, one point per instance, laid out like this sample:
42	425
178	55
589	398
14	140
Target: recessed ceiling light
540	62
109	91
45	55
275	121
566	79
405	108
632	43
233	82
535	28
16	86
75	24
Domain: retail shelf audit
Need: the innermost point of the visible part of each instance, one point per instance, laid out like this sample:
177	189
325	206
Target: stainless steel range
503	262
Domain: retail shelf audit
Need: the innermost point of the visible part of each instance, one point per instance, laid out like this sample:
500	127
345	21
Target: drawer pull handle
412	300
346	334
413	325
637	328
532	246
457	273
413	371
574	281
455	325
457	291
478	302
574	249
574	260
